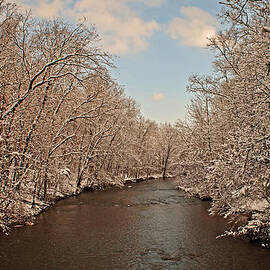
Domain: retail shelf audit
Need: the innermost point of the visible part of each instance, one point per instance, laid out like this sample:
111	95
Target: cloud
121	29
158	96
150	3
194	28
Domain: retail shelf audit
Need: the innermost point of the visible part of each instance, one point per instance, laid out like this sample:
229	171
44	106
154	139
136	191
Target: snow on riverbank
26	208
248	217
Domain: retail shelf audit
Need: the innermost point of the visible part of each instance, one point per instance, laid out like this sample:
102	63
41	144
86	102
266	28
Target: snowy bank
247	216
30	208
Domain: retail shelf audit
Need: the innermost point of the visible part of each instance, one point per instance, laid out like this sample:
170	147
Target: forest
66	125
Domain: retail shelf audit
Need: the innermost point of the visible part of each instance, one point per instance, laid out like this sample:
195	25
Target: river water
150	225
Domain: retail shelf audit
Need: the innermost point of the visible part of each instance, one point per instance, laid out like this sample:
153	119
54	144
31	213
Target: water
148	226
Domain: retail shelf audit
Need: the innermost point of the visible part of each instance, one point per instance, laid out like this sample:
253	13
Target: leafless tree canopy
226	140
65	125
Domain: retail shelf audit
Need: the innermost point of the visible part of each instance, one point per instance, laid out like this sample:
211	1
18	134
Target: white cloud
121	29
158	96
150	3
194	28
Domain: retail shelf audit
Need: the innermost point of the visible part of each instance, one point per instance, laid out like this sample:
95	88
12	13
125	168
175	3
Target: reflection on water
148	226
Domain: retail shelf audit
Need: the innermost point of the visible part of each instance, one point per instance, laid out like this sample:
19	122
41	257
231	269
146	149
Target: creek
148	225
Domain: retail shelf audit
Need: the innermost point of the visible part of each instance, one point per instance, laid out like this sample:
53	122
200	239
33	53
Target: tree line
65	124
226	138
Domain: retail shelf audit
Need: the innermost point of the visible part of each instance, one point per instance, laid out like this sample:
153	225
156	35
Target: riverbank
32	207
248	218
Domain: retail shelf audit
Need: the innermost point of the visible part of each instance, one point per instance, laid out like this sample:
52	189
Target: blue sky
158	43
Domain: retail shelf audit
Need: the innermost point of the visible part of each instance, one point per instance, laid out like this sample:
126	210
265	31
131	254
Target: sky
157	45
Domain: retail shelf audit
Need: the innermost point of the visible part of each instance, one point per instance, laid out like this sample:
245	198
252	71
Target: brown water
148	226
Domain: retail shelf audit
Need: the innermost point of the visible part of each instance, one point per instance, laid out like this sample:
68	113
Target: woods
226	139
65	124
